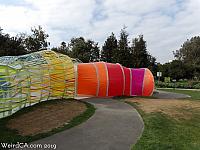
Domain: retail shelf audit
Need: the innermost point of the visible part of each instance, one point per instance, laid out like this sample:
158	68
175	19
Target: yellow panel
29	79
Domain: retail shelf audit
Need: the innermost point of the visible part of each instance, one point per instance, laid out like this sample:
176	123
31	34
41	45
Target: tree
189	53
84	50
37	41
122	54
94	50
63	45
63	49
109	48
10	46
176	70
153	66
140	56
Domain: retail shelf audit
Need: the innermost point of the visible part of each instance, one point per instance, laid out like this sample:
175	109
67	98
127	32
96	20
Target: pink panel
137	81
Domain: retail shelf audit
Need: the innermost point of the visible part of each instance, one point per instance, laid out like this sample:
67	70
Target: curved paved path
114	126
169	95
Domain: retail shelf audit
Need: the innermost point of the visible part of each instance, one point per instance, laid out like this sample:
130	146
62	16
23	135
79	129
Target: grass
195	95
162	132
11	136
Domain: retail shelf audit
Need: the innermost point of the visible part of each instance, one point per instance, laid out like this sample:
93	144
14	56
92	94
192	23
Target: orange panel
148	84
87	79
102	74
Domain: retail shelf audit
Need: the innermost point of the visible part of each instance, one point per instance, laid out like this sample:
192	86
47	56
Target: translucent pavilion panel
29	79
107	79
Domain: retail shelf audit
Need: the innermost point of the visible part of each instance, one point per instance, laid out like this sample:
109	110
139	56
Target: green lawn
195	95
11	136
162	132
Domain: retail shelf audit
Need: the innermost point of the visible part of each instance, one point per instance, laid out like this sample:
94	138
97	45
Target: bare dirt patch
46	117
178	109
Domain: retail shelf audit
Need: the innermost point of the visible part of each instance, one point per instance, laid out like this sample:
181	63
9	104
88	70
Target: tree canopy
122	55
11	46
189	51
63	48
140	56
113	50
23	43
84	50
120	51
189	55
129	53
109	48
36	41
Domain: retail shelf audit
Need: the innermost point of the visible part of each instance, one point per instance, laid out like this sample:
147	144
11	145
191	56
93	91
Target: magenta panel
137	81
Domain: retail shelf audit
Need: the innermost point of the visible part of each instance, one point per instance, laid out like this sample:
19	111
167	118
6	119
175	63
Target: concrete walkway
169	95
180	89
114	126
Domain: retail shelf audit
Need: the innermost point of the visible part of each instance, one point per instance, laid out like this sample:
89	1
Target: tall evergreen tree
109	48
93	50
140	56
122	55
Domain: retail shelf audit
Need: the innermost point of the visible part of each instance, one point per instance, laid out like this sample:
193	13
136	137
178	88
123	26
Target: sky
165	24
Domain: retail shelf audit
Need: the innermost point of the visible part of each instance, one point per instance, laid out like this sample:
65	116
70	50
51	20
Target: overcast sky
165	24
